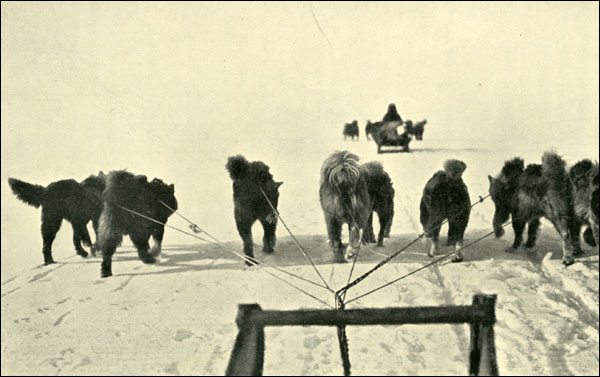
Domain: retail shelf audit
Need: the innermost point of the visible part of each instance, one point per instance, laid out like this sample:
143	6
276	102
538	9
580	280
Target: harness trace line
343	338
252	261
295	240
362	233
193	226
394	255
425	266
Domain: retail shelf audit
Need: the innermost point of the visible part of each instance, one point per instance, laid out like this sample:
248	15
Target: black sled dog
351	129
349	193
249	178
584	181
446	197
126	192
528	194
78	203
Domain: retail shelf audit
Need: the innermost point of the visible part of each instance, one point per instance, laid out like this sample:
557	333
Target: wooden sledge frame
247	356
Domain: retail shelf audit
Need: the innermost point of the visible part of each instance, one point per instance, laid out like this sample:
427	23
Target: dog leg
452	233
518	227
369	234
354	244
574	233
80	233
142	246
245	231
156	248
50	226
334	231
94	247
106	266
157	237
532	232
435	242
269	238
562	227
383	229
458	257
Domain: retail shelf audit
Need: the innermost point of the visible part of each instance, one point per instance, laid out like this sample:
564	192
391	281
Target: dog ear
278	184
172	188
491	179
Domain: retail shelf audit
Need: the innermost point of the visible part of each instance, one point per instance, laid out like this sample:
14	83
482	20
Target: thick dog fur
527	194
584	181
135	193
446	197
250	204
78	203
351	129
349	194
419	129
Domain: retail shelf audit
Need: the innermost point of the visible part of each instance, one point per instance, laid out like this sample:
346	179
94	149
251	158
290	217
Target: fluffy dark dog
584	181
349	193
446	196
250	203
418	129
78	203
528	194
372	128
381	190
125	191
351	129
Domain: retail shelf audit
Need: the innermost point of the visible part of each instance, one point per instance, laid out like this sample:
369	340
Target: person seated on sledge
391	121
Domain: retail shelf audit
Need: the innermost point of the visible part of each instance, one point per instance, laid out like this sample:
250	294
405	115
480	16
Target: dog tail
28	193
237	166
554	169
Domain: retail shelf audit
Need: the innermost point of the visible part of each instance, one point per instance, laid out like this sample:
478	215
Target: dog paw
82	253
148	259
578	252
48	262
268	250
568	260
457	258
105	274
154	252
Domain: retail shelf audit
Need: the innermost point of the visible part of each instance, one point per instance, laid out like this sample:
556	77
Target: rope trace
193	226
252	261
295	240
362	232
395	254
426	265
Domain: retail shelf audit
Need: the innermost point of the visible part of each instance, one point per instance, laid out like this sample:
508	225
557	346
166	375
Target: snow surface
172	90
179	316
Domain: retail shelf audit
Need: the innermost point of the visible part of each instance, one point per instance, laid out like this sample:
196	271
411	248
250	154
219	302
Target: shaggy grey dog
349	193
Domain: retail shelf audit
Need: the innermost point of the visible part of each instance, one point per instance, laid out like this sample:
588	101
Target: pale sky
72	70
